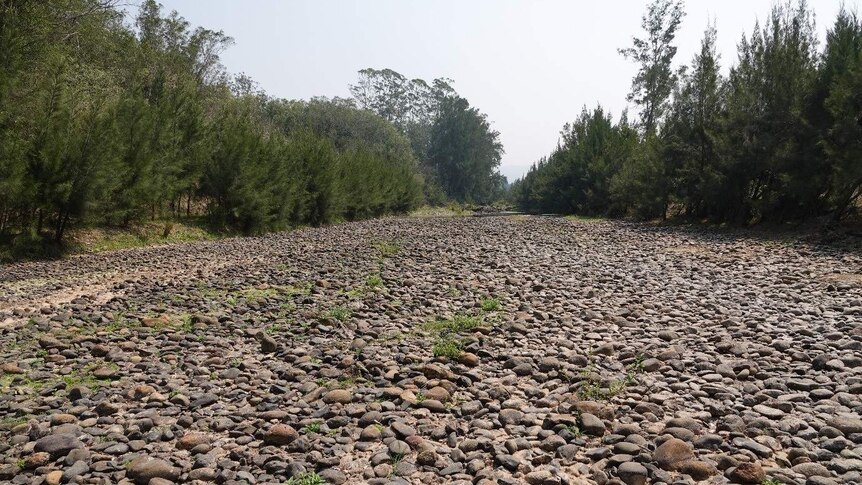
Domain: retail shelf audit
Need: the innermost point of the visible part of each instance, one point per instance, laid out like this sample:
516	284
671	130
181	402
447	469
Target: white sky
529	64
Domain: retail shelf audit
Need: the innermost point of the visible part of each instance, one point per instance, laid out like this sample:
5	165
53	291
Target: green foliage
143	234
490	304
779	138
691	145
307	478
445	334
457	150
584	173
387	248
593	390
839	85
339	313
466	152
446	347
457	324
106	125
374	281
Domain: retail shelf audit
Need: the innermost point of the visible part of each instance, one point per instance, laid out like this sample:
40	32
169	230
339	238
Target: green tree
465	152
693	130
655	79
840	89
774	168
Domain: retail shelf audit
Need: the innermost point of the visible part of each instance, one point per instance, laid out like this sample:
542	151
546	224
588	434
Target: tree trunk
62	221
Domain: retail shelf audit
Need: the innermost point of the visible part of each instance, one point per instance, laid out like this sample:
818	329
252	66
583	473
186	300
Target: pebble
615	353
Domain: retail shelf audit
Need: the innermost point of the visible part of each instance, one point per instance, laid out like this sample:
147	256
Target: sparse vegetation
574	429
490	304
9	422
339	313
446	347
445	334
396	460
374	281
145	233
386	249
307	478
459	323
593	389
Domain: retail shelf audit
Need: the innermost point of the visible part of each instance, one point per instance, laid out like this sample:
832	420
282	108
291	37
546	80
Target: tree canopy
458	150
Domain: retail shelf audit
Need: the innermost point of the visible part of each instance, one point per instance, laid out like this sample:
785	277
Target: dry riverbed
454	350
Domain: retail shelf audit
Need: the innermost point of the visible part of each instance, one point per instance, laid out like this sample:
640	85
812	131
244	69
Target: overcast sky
530	65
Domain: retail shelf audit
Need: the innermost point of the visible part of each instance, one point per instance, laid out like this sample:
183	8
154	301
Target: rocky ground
460	350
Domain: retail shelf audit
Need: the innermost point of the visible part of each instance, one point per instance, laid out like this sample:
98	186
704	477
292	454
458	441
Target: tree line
779	138
108	124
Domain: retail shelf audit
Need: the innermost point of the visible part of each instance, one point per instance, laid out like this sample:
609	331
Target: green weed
446	347
574	429
374	281
387	248
459	323
490	304
339	313
308	478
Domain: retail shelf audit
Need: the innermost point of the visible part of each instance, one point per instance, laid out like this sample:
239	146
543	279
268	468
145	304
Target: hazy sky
529	64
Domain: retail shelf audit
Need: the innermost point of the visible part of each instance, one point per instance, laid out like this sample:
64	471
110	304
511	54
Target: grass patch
387	248
374	281
93	240
9	382
450	210
580	218
459	323
181	322
299	289
307	478
490	304
7	423
312	427
446	334
447	347
274	329
86	380
256	295
338	313
343	383
574	429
